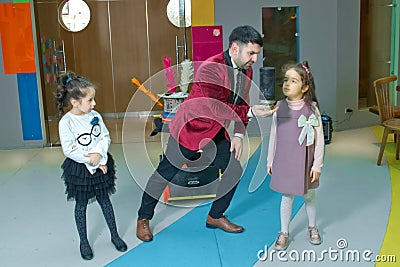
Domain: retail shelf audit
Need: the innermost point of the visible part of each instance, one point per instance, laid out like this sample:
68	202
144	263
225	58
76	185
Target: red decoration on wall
207	41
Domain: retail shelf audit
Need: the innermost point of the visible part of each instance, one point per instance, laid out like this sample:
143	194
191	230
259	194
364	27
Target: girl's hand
269	170
94	158
314	176
103	168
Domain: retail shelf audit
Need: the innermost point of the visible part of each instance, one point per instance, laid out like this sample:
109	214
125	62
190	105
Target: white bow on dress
308	130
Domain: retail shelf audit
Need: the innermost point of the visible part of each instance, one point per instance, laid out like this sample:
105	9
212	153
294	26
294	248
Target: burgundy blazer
207	109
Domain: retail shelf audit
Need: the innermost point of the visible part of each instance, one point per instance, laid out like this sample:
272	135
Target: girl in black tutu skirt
88	171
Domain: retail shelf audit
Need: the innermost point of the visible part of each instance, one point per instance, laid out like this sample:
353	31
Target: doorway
377	29
280	31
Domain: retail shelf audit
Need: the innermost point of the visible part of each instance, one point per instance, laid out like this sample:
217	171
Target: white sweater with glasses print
84	134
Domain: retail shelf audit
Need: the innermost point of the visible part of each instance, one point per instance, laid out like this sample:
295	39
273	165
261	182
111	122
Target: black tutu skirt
81	185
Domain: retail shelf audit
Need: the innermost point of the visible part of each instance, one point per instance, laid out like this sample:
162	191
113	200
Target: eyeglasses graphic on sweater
86	138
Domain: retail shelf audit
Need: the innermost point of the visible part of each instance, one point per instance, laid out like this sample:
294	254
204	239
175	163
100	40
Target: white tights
286	209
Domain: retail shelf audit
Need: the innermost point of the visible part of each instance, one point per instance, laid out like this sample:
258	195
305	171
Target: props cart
195	180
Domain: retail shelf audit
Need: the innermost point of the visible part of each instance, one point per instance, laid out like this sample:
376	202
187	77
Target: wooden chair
375	109
385	98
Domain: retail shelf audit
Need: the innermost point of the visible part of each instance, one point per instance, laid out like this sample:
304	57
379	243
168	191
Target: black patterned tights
108	212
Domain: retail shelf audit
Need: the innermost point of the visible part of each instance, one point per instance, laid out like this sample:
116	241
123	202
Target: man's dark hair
245	34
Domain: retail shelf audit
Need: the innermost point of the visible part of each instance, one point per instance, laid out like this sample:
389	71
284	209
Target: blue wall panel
29	106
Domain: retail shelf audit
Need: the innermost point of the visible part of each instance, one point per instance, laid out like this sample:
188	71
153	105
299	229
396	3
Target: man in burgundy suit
201	122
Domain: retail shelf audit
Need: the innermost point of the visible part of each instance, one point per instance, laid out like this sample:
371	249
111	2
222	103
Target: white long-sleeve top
81	135
318	135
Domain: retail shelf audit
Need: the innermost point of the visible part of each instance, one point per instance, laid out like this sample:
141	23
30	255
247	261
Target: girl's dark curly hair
303	69
70	86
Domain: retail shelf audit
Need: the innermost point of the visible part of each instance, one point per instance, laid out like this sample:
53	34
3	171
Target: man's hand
263	110
237	146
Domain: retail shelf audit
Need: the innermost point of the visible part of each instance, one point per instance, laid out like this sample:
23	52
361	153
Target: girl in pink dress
296	149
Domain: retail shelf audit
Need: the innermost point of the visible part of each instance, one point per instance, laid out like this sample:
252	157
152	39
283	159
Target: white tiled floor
37	226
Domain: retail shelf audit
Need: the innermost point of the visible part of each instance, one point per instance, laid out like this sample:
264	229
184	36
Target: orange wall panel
16	38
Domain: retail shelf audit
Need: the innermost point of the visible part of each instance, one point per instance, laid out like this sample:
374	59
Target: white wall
329	40
10	118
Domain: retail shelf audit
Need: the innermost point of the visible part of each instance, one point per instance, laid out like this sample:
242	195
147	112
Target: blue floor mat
187	242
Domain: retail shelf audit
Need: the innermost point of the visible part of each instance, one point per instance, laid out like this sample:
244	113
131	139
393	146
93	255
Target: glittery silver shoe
282	241
313	235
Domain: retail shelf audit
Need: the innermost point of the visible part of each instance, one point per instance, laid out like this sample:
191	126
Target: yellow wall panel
202	12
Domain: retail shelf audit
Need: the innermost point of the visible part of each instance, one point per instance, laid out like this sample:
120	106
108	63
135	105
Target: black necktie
238	86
